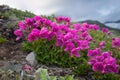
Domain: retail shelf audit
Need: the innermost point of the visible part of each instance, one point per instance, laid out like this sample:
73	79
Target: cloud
37	6
101	10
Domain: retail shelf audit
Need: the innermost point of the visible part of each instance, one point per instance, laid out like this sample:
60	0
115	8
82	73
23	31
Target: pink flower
67	19
50	35
18	33
85	25
83	29
37	18
101	44
63	28
43	33
110	68
110	60
54	27
62	19
98	66
47	22
37	23
88	38
99	58
60	42
115	42
92	53
22	25
84	34
92	61
105	30
83	44
27	68
69	46
94	27
29	21
75	52
76	26
106	54
34	35
68	36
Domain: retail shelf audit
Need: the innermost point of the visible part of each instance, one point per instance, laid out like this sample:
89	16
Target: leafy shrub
57	42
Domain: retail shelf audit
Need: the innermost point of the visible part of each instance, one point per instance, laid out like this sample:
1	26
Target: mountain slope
113	30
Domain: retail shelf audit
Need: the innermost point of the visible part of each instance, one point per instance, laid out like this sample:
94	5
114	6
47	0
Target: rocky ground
14	58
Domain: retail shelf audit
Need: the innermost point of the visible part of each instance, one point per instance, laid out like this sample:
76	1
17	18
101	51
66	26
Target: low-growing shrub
77	46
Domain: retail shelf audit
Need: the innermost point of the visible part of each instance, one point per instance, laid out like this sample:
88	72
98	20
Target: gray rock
31	59
4	8
12	66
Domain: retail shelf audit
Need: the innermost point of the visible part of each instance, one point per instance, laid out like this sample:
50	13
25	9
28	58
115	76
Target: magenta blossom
101	44
60	42
105	30
34	35
110	60
37	18
83	44
92	61
99	58
62	19
43	33
18	33
88	38
115	42
85	25
47	22
98	66
50	35
94	27
75	52
106	54
110	68
27	68
76	26
68	36
37	23
29	21
84	34
69	46
54	27
22	25
92	53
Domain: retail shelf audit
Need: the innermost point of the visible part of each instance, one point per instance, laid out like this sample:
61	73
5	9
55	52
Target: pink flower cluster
62	19
105	30
116	43
72	40
66	37
102	62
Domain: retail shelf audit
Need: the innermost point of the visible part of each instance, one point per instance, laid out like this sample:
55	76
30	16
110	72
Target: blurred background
104	11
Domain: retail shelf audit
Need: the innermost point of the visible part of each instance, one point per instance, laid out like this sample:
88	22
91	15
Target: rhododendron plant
59	38
102	61
101	44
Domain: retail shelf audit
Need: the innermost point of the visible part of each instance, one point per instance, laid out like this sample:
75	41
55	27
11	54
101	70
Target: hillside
113	30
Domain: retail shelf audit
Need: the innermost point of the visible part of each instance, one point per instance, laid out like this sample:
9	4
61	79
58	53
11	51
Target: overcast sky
102	10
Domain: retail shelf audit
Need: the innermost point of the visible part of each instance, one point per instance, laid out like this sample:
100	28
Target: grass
2	40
